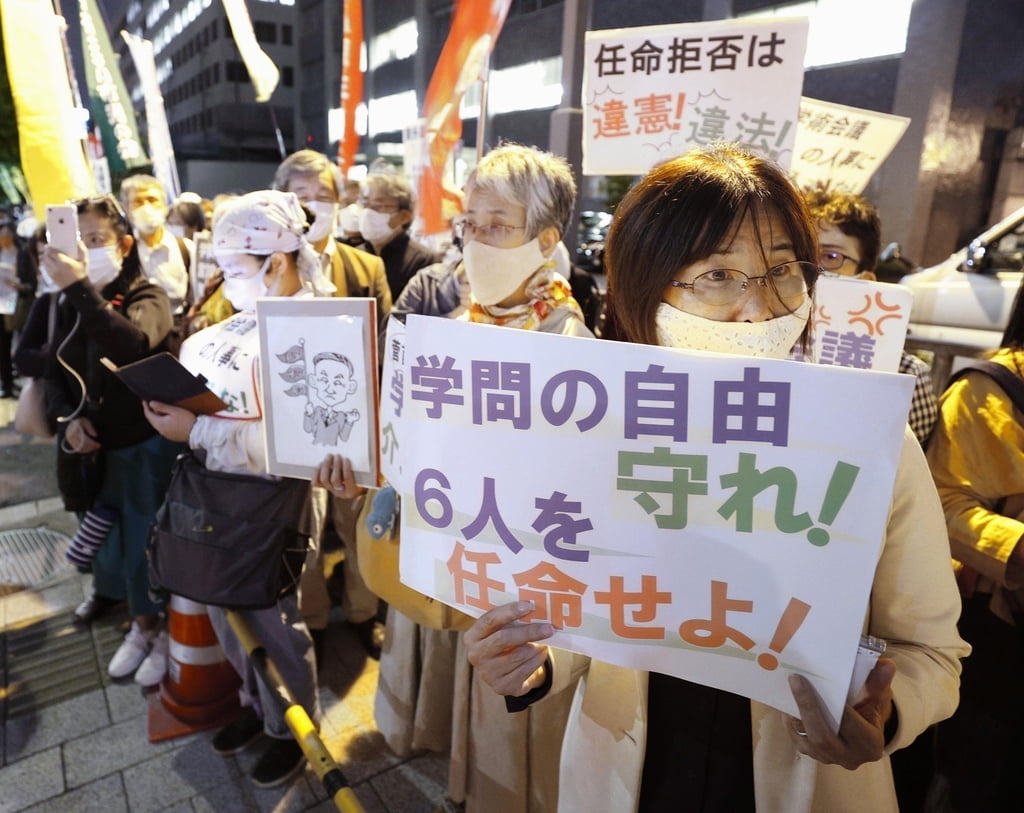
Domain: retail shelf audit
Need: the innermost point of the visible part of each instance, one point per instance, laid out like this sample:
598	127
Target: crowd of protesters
715	250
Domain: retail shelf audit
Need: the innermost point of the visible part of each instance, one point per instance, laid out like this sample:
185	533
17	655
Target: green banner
108	99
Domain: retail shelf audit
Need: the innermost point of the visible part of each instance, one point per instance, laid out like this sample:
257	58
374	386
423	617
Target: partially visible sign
392	386
860	323
653	93
841	147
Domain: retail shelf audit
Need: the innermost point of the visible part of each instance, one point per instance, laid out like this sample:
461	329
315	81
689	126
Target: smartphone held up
62	228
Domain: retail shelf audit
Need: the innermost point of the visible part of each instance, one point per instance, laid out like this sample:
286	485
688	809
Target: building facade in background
949	65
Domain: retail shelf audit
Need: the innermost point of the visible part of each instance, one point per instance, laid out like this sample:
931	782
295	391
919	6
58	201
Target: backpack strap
1010	383
186	255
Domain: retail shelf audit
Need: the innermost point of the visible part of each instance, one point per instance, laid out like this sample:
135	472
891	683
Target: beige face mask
773	338
495	273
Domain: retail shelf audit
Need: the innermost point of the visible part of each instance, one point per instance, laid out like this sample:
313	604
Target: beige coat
914	606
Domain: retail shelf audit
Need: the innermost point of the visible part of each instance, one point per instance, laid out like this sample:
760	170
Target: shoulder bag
230	540
30	413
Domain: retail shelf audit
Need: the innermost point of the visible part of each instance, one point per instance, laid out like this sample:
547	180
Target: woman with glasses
110	460
714	251
515	217
519	201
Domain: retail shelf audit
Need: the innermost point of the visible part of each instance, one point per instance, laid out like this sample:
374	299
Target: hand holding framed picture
318	369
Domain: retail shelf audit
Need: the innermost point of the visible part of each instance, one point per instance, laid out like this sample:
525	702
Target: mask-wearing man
384	223
165	258
318	184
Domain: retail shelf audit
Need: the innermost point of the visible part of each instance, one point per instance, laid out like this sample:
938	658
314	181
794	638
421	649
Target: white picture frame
318	372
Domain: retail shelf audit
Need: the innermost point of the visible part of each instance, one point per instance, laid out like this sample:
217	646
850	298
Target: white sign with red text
652	93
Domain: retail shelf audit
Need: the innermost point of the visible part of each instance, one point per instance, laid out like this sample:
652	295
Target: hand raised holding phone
61	257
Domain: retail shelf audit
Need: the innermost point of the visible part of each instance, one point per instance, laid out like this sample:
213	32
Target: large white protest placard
860	323
840	146
654	92
687	513
318	369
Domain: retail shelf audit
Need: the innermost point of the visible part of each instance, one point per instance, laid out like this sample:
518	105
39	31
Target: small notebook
162	377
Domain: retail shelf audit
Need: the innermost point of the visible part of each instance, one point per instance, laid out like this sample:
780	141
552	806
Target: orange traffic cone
200	689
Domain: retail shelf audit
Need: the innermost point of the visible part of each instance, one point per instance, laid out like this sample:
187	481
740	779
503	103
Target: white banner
653	93
161	150
262	70
666	510
842	146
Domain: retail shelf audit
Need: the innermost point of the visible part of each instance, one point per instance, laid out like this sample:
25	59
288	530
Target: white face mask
176	229
375	226
148	218
323	225
495	273
104	264
771	339
242	292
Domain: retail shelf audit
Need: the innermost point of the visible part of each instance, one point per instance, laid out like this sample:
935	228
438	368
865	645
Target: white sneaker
131	653
152	670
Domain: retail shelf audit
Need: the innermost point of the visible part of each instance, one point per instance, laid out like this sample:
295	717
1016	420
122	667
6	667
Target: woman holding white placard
714	251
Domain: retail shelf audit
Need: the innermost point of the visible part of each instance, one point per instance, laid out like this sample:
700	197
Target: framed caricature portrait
318	370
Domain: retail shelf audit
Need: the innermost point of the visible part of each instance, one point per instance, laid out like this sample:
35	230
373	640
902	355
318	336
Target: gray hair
133	183
392	185
540	181
306	162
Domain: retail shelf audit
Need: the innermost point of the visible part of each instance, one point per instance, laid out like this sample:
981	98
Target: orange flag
475	28
351	81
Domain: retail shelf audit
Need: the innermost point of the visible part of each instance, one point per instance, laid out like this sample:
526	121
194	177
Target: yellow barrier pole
298	721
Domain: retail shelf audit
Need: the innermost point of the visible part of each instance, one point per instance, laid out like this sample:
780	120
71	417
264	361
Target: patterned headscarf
266	221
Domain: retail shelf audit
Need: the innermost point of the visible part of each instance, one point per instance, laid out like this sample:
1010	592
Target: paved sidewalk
73	740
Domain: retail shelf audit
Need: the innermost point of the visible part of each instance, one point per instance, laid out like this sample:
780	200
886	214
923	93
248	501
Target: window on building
844	32
216	73
396	43
235	71
265	32
214	31
287	76
392	113
286	34
530	86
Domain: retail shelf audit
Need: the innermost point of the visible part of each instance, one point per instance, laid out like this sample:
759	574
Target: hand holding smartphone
62	228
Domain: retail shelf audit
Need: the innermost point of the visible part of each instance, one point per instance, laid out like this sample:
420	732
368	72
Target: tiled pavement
73	740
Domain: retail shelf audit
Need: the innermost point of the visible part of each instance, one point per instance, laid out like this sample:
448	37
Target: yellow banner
49	128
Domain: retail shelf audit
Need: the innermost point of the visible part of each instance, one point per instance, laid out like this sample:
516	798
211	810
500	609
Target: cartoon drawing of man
332	381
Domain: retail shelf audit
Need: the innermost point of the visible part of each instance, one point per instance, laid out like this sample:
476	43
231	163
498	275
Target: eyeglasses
833	260
386	209
497	232
723	286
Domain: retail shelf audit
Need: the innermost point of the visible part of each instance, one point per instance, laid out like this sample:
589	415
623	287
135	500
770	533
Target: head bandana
266	221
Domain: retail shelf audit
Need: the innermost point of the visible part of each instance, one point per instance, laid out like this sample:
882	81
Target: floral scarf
547	290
